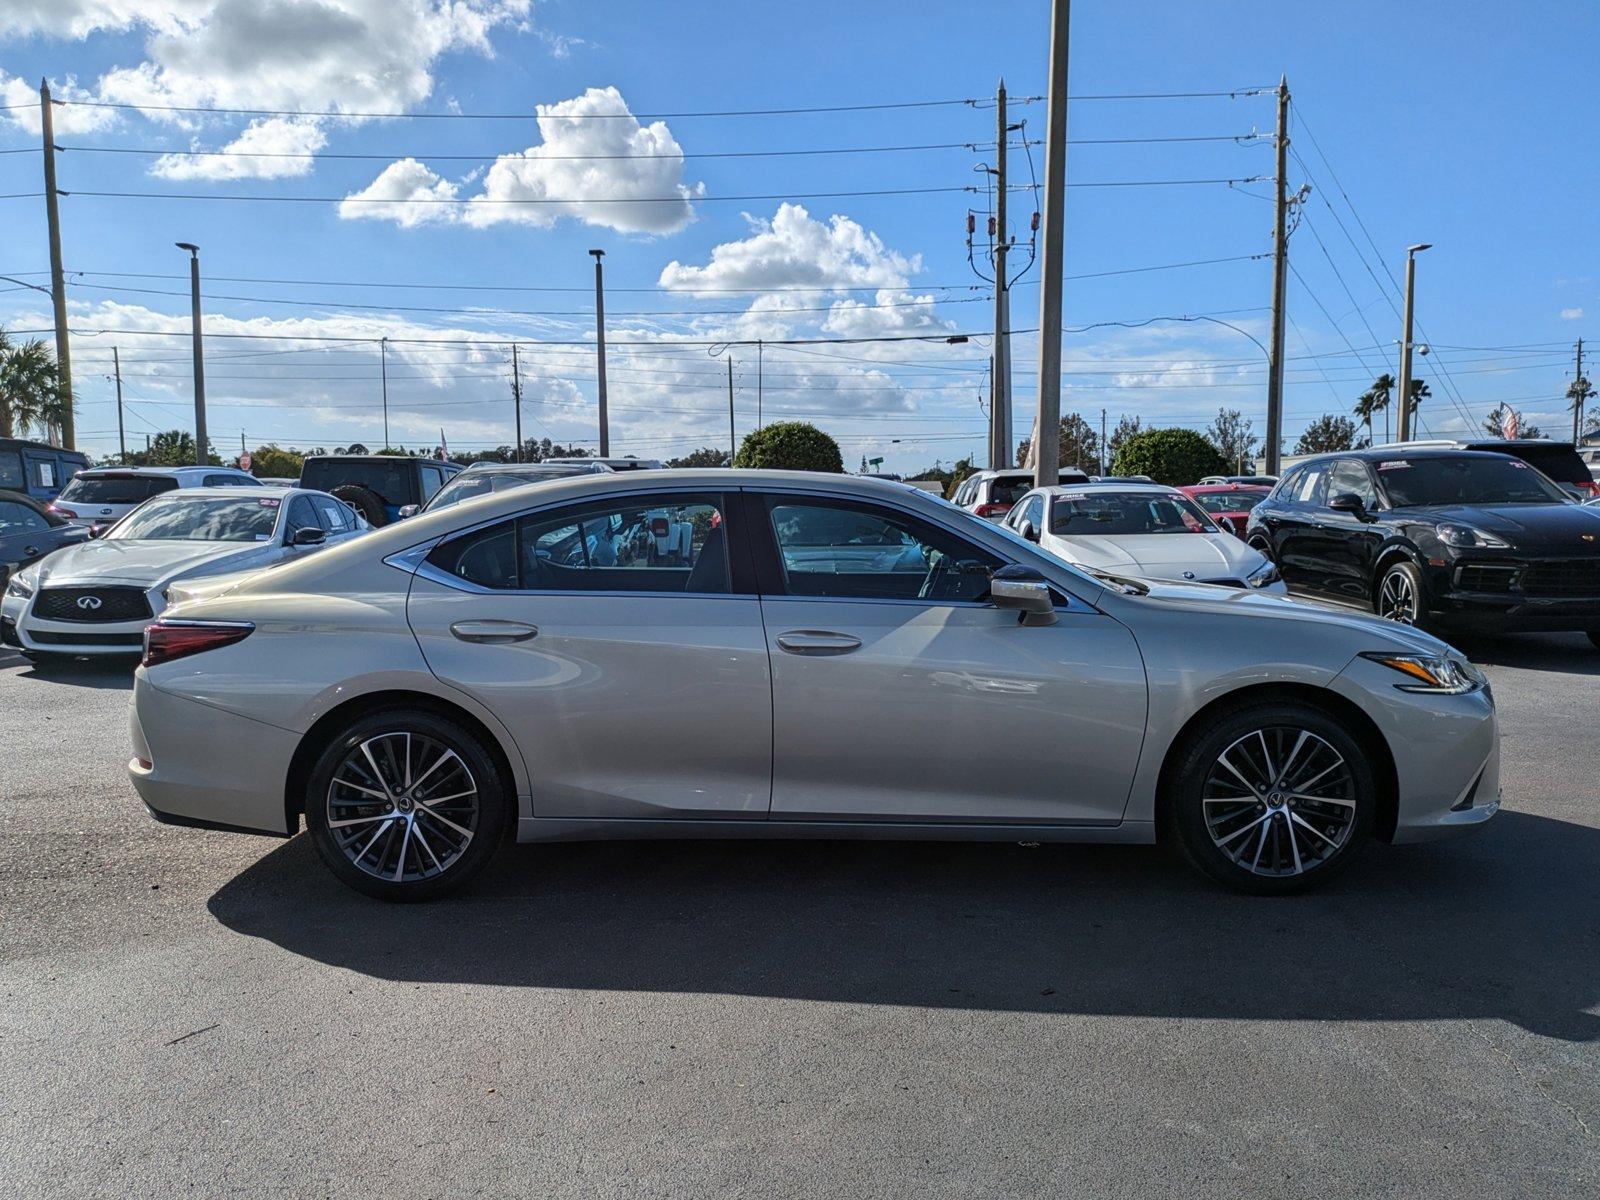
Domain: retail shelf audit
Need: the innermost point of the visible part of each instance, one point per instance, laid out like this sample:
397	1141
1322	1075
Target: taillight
63	512
658	526
168	640
992	510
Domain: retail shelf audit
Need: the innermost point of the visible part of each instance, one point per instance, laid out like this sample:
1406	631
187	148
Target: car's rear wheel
1402	595
406	805
1271	798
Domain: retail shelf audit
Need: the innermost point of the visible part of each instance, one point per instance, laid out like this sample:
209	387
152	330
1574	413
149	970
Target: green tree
1125	428
1233	437
790	446
1495	423
169	448
1327	434
273	462
706	456
30	386
1170	456
1579	393
1375	400
1078	444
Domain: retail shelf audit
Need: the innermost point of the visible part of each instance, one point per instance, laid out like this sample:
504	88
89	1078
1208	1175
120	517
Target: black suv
377	486
1436	537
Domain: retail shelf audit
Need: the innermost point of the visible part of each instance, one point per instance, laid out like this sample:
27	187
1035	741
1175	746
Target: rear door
901	694
635	684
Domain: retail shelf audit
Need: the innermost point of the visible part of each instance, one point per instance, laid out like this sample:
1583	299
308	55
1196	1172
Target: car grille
1562	578
87	604
133	641
1233	583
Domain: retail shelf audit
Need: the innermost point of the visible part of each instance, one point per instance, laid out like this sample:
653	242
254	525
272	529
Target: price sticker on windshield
269	502
1396	465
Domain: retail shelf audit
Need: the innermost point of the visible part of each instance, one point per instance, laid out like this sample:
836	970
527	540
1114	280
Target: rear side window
19	518
486	557
1310	488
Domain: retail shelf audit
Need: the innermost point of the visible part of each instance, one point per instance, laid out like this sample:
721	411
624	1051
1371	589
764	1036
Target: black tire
391	840
1264	548
1216	839
1396	581
364	500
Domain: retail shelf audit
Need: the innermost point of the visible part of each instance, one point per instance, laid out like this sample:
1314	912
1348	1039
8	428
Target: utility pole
600	347
733	444
1404	431
516	400
1046	448
58	282
201	445
1280	284
760	372
122	441
1101	457
1580	392
383	370
1000	409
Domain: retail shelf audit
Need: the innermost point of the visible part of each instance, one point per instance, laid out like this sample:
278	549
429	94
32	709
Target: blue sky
1454	124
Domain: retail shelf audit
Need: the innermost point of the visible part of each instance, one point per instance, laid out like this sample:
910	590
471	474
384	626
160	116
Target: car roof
1226	487
1078	489
566	467
158	472
241	490
1402	450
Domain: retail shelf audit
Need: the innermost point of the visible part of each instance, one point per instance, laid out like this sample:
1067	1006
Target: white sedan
1146	531
96	598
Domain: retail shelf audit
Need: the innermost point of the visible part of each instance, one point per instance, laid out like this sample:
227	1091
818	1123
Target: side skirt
561	829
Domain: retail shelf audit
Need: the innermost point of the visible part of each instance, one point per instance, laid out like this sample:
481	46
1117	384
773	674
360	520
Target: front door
900	693
1297	533
1350	543
611	639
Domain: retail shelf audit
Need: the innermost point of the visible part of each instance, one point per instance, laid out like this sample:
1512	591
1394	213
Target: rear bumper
177	744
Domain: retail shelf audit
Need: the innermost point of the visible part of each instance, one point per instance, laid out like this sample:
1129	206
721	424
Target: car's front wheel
406	805
1272	797
1402	595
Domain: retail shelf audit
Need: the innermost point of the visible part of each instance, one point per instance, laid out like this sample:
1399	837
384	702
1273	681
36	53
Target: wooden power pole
1046	437
58	282
1280	268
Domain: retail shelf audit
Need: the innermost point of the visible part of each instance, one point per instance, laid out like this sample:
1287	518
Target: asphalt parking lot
184	1012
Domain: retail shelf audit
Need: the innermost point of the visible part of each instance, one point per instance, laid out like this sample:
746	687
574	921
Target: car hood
147	563
1161	555
1546	526
1234	601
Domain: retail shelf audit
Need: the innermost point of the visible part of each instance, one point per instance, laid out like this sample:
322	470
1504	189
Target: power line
348	114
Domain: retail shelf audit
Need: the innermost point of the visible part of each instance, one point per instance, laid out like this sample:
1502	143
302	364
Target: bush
1171	456
790	446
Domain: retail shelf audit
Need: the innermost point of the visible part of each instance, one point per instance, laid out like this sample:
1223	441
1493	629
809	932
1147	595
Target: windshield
392	481
1435	482
117	489
1229	502
200	520
1101	514
470	484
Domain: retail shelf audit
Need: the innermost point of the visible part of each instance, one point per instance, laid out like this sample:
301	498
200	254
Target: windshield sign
199	520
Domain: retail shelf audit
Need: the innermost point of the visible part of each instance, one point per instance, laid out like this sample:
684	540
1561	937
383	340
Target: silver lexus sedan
743	654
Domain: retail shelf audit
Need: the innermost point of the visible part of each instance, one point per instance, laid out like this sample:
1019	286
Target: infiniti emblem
88	603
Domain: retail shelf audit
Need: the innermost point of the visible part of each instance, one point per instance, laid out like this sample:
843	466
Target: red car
1228	503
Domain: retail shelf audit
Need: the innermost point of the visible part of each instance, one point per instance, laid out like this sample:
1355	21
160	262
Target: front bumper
177	745
1500	595
20	628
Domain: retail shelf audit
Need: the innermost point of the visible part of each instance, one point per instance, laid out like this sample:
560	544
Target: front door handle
493	633
817	642
31	551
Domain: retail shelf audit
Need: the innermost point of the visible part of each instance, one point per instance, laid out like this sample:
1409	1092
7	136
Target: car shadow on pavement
99	673
1501	925
1569	653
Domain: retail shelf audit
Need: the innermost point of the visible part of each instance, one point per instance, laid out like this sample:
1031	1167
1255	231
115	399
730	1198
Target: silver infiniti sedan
770	654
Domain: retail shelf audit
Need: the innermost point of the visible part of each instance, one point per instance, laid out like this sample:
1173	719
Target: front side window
432	477
202	519
1032	511
1350	477
19	518
1229	502
860	551
335	517
1094	514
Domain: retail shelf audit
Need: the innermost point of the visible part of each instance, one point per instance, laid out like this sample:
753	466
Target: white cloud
407	193
792	250
611	164
1571	314
269	136
65	120
80	18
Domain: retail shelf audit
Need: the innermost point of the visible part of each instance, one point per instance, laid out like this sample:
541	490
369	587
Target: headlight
1440	676
1266	573
18	586
1464	537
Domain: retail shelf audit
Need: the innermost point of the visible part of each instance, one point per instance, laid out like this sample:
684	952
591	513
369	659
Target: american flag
1508	423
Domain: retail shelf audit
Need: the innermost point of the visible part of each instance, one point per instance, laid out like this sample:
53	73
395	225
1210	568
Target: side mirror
1026	529
97	530
409	510
1025	591
307	536
1348	502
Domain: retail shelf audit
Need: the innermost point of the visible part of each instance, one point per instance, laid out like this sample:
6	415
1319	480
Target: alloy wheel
402	806
1397	599
1279	801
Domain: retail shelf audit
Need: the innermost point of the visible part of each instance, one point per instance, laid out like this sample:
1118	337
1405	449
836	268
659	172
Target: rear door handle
817	642
493	633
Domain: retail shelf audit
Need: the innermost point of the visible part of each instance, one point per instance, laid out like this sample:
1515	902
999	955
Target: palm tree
1375	399
1420	391
30	388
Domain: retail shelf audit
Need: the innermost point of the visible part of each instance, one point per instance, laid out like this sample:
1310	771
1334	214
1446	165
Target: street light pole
600	348
1405	343
383	371
122	437
1046	438
201	453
